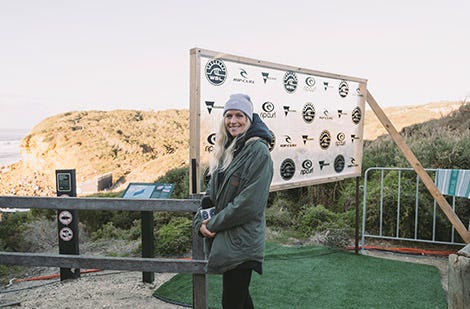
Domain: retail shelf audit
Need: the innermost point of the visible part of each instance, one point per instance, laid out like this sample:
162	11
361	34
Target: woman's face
235	122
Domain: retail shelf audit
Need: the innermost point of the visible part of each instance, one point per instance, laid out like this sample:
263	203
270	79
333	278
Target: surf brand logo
356	115
266	77
308	113
268	110
359	92
354	137
339	163
323	163
352	162
326	85
341	113
273	141
340	139
211	141
290	81
305	138
288	143
307	167
326	115
343	88
325	139
216	72
244	77
287	110
310	84
287	169
211	105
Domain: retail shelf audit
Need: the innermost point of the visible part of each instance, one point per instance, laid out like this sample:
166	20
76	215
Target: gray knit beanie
240	102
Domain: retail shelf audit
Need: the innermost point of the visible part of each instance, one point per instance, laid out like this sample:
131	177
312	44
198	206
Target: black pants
236	293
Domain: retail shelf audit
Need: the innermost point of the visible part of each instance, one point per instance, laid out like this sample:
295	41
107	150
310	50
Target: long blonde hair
223	155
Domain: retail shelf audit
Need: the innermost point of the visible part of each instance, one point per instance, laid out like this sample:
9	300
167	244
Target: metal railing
393	187
196	266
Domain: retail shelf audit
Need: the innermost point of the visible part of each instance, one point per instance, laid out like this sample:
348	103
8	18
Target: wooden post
416	165
200	285
458	295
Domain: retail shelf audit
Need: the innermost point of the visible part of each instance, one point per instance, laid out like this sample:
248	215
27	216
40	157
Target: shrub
278	215
315	218
174	237
12	228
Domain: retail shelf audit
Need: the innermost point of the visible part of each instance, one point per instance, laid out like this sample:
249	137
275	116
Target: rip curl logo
211	142
343	88
211	139
268	110
352	162
359	92
340	139
307	167
310	84
216	72
306	138
288	143
244	77
211	105
356	115
287	169
325	139
308	113
326	115
339	163
290	81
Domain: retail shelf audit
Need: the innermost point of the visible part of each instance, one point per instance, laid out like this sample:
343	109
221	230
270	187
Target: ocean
10	140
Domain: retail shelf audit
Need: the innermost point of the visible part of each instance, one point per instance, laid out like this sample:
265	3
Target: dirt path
107	289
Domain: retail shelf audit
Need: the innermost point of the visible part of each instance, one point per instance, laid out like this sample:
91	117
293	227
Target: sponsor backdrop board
317	118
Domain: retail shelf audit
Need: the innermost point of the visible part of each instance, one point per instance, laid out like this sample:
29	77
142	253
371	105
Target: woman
240	176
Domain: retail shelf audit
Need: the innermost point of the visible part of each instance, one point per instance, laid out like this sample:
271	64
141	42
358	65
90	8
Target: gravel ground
106	289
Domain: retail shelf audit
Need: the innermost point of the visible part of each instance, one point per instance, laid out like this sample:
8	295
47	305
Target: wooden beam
92	203
100	262
416	165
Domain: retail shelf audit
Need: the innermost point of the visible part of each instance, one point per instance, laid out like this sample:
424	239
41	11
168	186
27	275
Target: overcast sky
59	56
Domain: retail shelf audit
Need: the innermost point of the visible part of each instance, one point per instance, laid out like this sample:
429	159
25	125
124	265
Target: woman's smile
235	122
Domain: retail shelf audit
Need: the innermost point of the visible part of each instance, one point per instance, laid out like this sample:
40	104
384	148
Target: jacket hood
257	129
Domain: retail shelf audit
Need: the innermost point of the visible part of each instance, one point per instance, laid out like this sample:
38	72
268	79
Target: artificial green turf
319	277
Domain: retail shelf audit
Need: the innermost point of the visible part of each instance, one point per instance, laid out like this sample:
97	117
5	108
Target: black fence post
147	242
67	220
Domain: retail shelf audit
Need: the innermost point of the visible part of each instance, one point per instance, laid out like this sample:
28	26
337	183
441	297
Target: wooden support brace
416	165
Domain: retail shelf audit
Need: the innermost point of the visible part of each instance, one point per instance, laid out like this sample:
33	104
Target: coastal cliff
135	146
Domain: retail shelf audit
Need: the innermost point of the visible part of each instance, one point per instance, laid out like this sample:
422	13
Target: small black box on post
67	220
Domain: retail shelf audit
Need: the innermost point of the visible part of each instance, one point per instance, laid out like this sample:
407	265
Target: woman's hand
205	231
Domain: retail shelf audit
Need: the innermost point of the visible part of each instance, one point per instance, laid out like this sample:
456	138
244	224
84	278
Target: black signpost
67	221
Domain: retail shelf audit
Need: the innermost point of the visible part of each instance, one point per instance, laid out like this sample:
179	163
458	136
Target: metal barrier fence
390	216
196	266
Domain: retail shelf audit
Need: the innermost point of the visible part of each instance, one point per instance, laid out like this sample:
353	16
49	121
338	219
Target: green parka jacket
240	200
